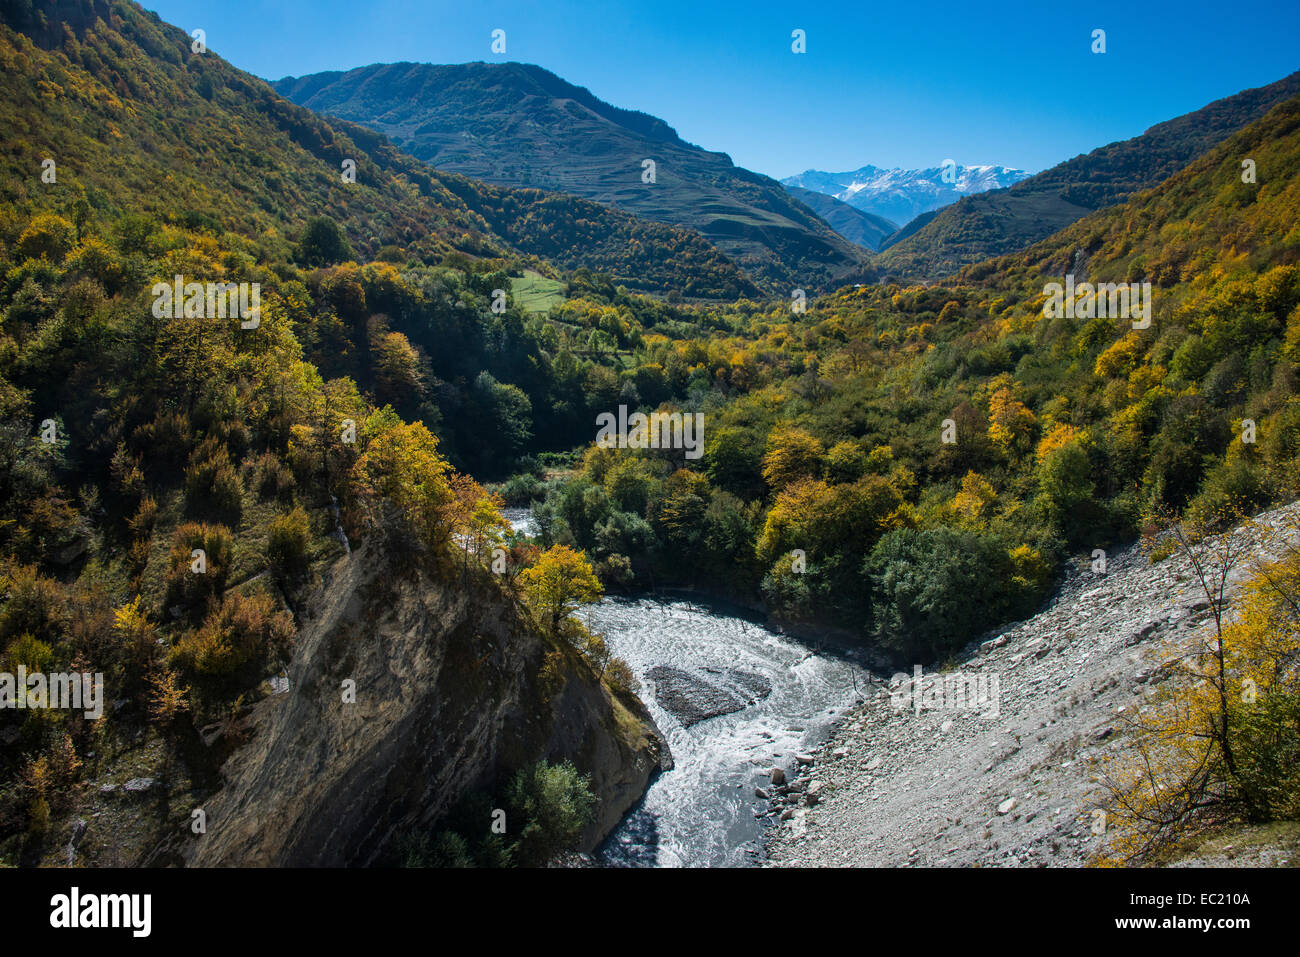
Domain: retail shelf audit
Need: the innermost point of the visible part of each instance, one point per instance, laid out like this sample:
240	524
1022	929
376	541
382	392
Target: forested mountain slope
516	124
1002	221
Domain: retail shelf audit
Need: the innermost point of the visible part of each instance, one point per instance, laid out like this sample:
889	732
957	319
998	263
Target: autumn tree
1221	743
402	481
559	582
791	454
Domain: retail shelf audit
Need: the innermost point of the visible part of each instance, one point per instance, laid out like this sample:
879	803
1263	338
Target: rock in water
693	698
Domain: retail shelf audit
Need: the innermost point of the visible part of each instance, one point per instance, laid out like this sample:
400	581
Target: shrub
271	477
286	544
1233	490
523	490
212	486
620	676
36	605
555	802
185	585
241	635
145	516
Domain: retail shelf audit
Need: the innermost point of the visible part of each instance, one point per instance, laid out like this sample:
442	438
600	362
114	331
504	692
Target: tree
403	481
323	243
791	454
559	582
1011	424
48	236
733	461
933	590
556	803
1222	740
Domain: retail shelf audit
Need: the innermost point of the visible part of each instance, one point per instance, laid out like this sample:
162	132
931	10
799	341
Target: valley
438	466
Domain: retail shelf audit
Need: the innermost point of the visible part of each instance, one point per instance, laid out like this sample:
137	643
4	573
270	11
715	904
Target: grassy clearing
533	292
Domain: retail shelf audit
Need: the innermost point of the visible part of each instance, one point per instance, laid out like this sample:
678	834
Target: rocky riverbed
1011	782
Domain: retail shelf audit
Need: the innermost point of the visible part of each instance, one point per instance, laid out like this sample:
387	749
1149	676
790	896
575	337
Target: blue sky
890	84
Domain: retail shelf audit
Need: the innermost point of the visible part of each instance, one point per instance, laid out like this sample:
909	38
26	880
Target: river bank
735	695
1014	781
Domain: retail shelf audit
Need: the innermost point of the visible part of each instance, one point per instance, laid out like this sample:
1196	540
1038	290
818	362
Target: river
693	659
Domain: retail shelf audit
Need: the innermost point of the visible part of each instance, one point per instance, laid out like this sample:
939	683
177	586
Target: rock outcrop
453	693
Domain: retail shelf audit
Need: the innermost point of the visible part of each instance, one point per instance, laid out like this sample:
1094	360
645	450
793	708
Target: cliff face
448	699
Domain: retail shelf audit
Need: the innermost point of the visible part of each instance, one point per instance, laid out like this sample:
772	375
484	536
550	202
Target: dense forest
825	429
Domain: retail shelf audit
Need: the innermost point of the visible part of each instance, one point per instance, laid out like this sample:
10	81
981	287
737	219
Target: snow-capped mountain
903	194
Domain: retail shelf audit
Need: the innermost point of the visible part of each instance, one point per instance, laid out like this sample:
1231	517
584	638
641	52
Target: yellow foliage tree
1222	744
974	503
1011	423
557	583
401	472
792	454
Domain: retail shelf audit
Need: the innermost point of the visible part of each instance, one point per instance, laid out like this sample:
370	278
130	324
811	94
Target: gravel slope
960	787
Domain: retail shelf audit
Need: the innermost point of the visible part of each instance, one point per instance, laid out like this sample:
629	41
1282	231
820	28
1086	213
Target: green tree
555	803
323	243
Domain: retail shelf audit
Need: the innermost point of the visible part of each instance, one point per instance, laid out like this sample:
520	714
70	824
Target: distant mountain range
518	125
855	225
901	195
979	227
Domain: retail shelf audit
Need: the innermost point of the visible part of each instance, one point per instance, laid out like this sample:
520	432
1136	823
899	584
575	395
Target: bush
620	676
1233	490
187	587
36	605
146	515
787	589
287	542
271	477
934	590
522	490
555	803
212	486
243	635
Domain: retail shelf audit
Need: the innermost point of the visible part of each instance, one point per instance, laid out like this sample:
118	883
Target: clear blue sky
890	84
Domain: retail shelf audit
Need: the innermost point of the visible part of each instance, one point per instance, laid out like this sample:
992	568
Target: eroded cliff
450	696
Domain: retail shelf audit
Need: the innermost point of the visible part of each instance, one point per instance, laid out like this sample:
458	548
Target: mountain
991	224
865	229
518	125
900	195
259	165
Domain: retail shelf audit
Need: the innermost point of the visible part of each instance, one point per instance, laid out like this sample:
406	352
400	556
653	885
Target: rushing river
693	660
702	812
